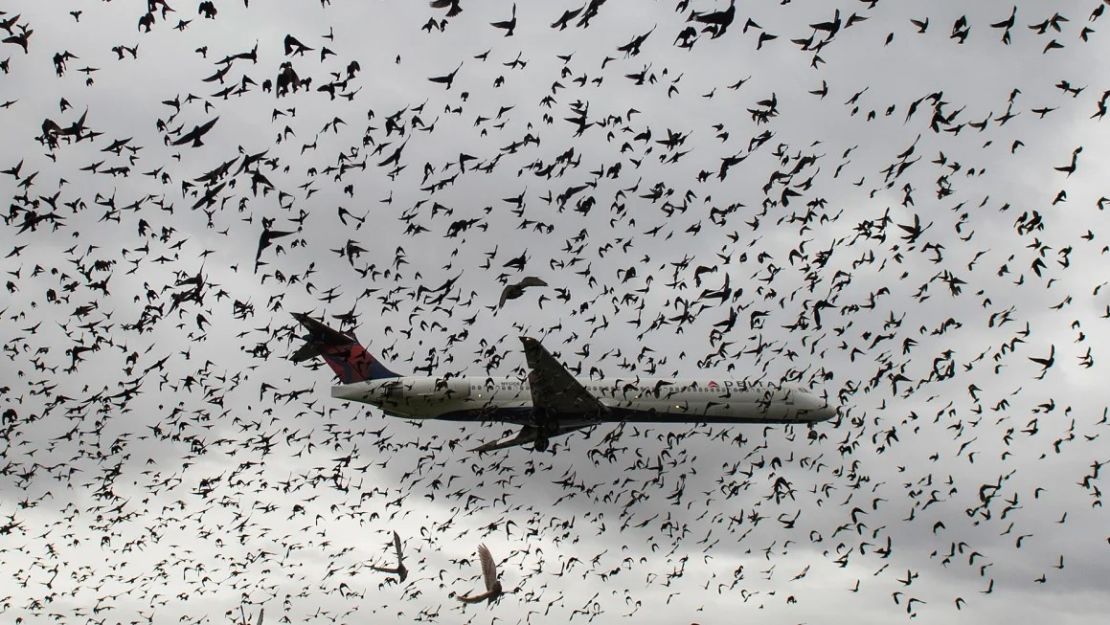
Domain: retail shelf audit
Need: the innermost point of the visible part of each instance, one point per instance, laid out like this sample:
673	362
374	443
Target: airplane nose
814	408
824	412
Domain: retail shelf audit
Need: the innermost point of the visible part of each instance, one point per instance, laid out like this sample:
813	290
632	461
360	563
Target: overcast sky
929	185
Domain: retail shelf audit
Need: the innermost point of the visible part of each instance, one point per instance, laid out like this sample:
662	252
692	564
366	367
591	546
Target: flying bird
513	291
400	571
489	576
196	133
508	25
452	6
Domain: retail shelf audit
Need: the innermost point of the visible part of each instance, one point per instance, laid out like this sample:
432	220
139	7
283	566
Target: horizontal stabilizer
527	434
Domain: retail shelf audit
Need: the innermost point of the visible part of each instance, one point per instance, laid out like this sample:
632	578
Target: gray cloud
188	488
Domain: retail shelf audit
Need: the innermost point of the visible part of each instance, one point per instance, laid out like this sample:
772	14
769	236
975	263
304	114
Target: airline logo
712	385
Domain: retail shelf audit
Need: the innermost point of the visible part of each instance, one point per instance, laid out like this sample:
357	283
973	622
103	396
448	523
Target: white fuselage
626	399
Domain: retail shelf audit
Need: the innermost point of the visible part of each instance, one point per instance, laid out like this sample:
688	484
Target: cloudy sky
904	201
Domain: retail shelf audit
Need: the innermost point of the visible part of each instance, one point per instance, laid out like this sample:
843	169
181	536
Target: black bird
717	21
508	25
632	48
196	133
293	47
447	79
513	291
1006	25
1045	363
400	571
518	262
266	239
1069	169
452	6
565	19
21	39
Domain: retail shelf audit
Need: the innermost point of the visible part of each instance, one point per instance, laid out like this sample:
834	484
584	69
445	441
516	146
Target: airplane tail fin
341	350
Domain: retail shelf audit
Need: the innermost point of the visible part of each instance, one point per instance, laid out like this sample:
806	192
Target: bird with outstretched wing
489	575
400	571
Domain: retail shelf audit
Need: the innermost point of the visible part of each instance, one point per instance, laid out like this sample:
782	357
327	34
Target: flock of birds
690	188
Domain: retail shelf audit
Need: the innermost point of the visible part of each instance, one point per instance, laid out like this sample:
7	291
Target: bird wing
204	128
186	138
397	546
531	281
489	567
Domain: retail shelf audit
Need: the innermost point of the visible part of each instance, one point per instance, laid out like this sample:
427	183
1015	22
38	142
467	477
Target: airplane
550	401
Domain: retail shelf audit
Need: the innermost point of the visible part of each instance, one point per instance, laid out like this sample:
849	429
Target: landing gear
812	433
547	426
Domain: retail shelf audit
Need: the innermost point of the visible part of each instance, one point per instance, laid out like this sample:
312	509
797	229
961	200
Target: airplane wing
553	388
554	392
